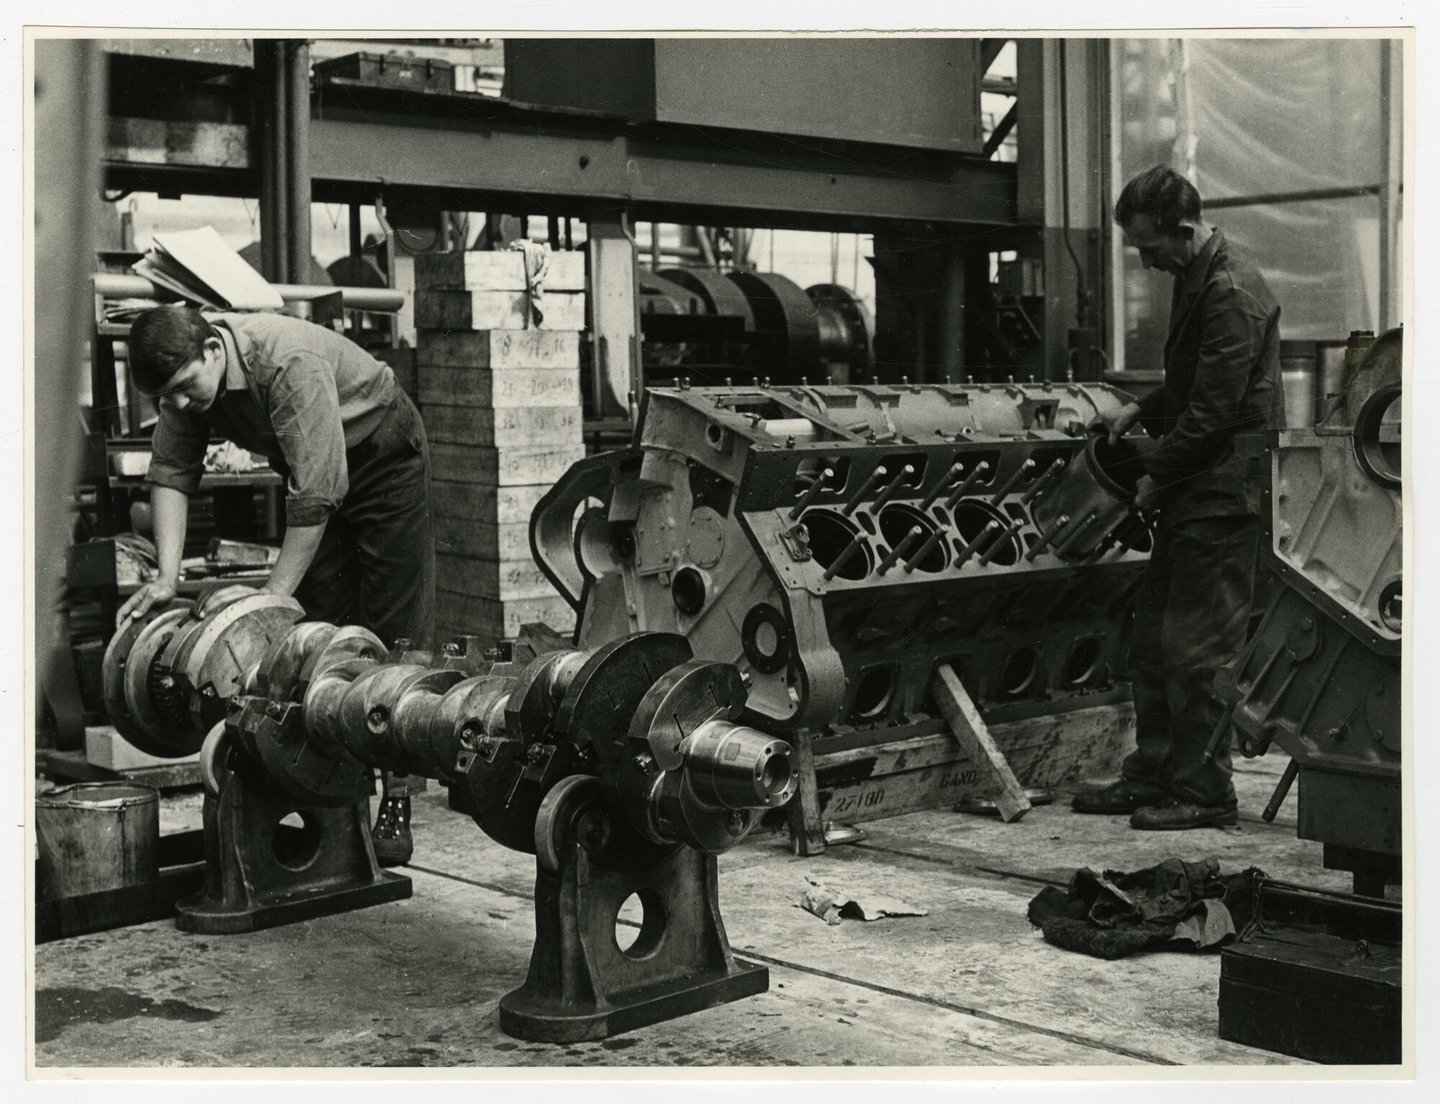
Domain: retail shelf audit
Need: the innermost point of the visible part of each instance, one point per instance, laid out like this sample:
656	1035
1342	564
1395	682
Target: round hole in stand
640	924
296	841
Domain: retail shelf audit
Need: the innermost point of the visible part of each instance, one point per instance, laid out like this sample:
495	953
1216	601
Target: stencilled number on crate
959	778
862	799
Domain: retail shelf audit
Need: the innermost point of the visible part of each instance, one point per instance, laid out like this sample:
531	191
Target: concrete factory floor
415	983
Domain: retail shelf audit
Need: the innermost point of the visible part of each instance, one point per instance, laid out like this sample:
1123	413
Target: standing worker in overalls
333	422
1209	419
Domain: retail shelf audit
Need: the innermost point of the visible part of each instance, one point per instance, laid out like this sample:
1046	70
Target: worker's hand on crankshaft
138	605
1117	423
222	597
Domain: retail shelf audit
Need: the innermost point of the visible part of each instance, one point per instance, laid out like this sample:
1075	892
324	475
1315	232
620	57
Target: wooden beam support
969	728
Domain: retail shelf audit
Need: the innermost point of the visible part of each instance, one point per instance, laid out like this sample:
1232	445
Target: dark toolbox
1316	975
389	71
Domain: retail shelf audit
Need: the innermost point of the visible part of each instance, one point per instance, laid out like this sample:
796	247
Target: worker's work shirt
297	393
1222	364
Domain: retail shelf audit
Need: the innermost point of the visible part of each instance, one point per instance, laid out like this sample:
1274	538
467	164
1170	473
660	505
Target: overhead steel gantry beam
679	174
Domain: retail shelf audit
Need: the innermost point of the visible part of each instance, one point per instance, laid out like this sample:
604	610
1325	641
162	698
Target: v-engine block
838	543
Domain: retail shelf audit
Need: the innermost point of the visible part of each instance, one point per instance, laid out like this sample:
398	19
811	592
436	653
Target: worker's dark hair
1163	194
162	341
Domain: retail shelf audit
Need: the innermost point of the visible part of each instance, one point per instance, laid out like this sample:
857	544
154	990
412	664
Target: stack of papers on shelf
197	265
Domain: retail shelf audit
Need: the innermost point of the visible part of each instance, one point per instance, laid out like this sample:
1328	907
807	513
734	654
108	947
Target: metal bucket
1095	492
95	836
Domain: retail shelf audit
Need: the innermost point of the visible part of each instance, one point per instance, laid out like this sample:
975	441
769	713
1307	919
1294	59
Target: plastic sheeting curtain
1257	118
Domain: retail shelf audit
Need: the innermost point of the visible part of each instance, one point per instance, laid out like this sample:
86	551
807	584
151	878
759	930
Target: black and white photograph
676	552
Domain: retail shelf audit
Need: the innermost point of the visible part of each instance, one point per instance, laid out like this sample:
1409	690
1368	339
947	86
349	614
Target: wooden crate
508	467
497	270
512	427
499	349
476	502
488	388
498	310
479	539
484	577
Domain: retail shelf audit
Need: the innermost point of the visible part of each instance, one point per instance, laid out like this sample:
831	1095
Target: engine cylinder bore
897	522
971	519
732	766
830	536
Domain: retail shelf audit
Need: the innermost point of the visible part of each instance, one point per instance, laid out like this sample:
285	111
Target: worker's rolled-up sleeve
305	414
1233	335
177	451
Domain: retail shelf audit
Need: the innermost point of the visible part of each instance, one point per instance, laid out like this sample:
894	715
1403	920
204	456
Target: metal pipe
862	490
900	549
1018	474
981	470
274	199
894	487
811	492
119	285
846	554
295	57
944	481
1046	537
969	550
993	548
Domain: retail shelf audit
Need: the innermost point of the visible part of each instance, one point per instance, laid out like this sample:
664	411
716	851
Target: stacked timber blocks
500	396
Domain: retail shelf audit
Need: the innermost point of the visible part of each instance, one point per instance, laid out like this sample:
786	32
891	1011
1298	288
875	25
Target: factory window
1294	146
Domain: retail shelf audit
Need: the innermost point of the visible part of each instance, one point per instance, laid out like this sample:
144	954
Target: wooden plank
499	349
807	826
115	908
480	540
514	427
491	578
491	505
488	388
497	270
498	310
507	467
969	728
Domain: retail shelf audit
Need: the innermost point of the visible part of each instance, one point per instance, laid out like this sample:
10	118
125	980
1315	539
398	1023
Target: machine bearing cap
296	765
152	732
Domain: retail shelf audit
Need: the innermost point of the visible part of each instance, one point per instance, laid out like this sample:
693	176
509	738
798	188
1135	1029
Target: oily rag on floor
1175	904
